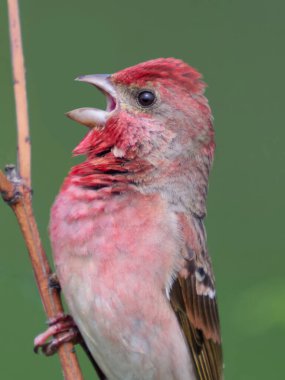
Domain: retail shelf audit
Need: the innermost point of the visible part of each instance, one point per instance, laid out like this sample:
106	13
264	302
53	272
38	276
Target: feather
193	299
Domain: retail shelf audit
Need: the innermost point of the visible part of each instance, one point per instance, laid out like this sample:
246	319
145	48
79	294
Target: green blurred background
239	48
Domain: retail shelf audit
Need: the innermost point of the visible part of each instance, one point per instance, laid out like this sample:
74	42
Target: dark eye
146	98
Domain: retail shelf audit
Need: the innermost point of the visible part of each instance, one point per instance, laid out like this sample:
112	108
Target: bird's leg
65	326
61	324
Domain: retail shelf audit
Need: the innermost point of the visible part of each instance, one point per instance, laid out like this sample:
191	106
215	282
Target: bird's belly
130	336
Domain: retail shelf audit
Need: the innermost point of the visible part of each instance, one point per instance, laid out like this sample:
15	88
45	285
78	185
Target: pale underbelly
129	329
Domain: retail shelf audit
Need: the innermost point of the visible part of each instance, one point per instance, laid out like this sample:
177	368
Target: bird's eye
146	98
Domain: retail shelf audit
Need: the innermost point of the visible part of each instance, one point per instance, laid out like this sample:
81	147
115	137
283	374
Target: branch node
9	186
53	282
12	174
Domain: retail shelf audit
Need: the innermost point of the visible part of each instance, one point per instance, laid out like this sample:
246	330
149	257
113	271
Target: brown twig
24	151
17	192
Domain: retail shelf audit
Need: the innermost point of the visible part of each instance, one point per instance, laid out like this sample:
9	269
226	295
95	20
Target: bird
127	227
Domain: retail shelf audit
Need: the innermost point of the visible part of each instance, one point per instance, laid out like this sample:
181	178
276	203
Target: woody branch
15	188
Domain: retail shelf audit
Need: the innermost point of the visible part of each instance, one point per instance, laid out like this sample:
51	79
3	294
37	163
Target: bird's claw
61	324
51	347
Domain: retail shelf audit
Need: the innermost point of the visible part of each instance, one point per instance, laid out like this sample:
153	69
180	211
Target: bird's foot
61	324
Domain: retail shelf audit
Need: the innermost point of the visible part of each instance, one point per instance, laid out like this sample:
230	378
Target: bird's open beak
93	117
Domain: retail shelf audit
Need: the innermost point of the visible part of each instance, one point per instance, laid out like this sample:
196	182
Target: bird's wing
193	299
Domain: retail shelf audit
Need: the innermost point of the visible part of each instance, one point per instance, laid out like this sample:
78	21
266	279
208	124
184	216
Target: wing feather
193	300
200	327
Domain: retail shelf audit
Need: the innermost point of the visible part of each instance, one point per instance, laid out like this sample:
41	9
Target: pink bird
127	228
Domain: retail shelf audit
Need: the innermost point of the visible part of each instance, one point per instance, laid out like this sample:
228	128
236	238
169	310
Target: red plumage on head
163	70
136	133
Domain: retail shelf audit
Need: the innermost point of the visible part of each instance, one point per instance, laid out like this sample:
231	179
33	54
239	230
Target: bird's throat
107	170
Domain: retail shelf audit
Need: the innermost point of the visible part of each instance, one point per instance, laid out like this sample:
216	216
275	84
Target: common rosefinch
127	227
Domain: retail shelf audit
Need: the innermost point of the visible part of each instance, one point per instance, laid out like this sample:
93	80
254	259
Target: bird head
156	132
155	110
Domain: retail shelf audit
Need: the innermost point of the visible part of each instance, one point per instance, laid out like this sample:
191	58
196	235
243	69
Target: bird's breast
115	257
